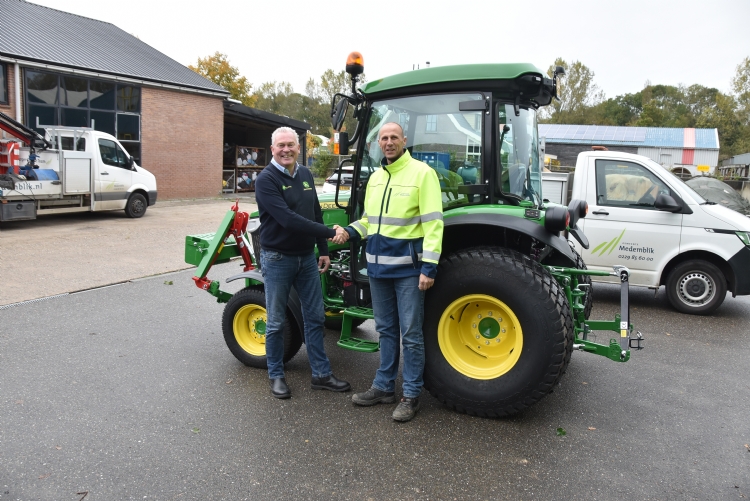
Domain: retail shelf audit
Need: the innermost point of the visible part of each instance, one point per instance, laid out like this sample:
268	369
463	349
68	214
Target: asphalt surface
60	253
129	392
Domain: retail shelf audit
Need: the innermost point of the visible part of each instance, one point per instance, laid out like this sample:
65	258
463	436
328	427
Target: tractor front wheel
244	326
498	332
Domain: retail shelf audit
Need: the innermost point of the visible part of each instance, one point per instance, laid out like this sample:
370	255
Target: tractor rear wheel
244	326
498	332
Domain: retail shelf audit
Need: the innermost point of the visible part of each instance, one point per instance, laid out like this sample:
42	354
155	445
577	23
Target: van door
623	226
114	176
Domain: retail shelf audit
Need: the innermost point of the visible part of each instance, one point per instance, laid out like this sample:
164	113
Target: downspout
17	78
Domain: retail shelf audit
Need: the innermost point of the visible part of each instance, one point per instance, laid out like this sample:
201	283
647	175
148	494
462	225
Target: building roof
658	137
39	34
260	116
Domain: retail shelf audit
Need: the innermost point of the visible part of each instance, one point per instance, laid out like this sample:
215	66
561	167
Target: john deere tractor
511	299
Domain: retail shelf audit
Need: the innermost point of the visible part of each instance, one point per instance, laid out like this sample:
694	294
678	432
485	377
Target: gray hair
282	130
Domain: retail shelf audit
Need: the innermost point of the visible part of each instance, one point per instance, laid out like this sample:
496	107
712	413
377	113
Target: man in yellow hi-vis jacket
403	225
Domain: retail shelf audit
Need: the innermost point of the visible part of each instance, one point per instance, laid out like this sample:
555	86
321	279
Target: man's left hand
324	262
425	282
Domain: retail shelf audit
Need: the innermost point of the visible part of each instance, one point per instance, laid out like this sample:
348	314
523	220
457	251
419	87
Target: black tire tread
542	285
292	332
696	264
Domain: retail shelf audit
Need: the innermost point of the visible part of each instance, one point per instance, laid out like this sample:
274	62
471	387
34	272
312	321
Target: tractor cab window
518	153
438	134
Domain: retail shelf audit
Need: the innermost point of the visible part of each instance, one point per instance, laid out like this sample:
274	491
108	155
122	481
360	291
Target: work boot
373	396
407	409
330	383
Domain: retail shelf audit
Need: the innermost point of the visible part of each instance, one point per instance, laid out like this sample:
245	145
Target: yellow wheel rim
480	336
250	329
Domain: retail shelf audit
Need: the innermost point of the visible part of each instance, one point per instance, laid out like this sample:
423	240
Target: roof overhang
263	117
31	63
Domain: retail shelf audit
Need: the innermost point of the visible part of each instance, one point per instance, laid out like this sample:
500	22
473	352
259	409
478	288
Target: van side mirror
130	162
667	203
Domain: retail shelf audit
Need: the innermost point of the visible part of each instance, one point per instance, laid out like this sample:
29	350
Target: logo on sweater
306	185
284	187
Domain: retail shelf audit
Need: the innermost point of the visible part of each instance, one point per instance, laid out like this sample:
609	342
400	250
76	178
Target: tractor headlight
744	236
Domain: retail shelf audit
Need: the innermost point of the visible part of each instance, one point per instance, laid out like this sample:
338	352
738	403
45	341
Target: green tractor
511	299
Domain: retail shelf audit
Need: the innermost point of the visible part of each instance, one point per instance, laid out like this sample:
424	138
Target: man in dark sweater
291	224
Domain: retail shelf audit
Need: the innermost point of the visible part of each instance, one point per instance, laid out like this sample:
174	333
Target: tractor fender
521	225
293	303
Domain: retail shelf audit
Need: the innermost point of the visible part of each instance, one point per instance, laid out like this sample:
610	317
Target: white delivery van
642	216
80	170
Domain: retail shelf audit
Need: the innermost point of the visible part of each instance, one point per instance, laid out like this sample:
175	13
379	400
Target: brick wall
182	141
10	108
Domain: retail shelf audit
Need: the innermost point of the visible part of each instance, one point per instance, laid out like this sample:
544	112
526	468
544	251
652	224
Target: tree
620	110
578	94
217	69
741	90
273	97
724	117
323	92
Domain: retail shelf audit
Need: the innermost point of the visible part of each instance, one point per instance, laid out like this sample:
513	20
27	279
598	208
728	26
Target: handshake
341	235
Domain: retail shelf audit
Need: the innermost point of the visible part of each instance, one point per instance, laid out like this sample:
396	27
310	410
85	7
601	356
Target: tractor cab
475	125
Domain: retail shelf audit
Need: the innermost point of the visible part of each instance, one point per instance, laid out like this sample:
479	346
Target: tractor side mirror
338	113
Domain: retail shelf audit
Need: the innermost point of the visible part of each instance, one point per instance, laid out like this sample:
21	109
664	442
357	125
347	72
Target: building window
473	150
3	84
74	101
403	120
431	123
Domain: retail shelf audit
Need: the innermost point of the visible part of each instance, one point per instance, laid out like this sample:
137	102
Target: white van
83	170
642	216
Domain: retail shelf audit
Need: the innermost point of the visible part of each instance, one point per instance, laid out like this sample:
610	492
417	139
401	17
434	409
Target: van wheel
136	206
499	332
244	326
696	287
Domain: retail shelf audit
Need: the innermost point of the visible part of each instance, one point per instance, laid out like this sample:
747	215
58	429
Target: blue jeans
281	272
398	306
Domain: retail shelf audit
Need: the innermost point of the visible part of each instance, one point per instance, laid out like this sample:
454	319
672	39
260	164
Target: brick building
82	72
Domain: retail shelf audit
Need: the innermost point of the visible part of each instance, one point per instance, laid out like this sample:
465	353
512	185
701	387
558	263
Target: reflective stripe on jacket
403	220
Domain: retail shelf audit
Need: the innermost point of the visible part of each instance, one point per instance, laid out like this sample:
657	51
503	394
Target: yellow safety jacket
403	220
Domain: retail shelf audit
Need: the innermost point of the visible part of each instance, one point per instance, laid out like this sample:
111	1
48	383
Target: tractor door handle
601	213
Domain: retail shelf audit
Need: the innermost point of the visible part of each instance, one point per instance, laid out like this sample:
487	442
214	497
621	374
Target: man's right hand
341	235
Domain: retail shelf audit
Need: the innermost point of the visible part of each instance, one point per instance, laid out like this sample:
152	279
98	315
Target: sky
625	43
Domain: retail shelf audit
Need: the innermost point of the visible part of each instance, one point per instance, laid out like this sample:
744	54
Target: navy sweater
290	218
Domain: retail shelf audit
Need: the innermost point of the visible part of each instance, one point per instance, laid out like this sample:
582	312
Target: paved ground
129	392
70	252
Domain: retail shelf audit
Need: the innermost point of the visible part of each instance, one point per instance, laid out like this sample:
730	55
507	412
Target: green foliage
658	106
578	94
217	69
323	163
